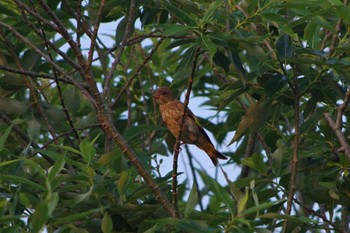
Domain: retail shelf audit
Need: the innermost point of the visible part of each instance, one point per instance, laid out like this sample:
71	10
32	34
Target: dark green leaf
179	13
284	46
4	137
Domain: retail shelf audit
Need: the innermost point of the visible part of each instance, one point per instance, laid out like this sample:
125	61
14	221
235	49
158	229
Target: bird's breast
172	116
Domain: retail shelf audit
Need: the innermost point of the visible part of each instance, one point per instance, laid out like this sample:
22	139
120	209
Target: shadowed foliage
81	136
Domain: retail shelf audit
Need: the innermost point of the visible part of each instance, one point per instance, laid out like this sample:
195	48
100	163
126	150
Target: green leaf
56	168
107	224
78	198
175	30
183	70
277	158
263	206
312	120
221	60
205	43
220	192
275	83
87	150
33	128
106	158
12	106
214	204
179	13
254	118
343	12
211	10
256	162
137	130
123	182
119	33
72	99
242	203
5	163
76	216
43	211
236	61
192	200
296	219
12	82
153	229
284	47
4	137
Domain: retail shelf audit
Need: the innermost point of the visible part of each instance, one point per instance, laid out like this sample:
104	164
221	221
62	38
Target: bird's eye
164	92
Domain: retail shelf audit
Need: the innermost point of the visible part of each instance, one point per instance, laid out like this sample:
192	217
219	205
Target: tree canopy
81	136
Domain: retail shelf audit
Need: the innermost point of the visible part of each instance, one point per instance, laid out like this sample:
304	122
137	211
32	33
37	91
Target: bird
171	111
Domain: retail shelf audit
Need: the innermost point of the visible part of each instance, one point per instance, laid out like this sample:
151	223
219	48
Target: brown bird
171	111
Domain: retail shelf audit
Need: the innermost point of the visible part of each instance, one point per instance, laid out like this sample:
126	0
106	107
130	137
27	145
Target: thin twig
294	162
145	61
39	33
33	92
96	99
344	145
127	33
23	136
321	216
67	133
94	34
178	139
62	30
58	85
344	221
34	74
341	110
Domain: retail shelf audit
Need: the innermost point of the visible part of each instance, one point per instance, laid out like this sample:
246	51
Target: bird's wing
195	119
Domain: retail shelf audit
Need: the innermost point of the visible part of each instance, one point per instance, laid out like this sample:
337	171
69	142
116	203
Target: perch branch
178	139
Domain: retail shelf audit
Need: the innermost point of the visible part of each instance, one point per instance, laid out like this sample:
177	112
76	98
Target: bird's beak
155	95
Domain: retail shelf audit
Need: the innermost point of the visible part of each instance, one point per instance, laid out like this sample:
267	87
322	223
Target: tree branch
344	145
294	162
94	34
145	61
178	139
126	36
24	136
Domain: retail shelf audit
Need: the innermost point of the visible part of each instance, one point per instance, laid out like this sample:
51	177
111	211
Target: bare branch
138	70
344	145
126	36
294	162
178	139
94	34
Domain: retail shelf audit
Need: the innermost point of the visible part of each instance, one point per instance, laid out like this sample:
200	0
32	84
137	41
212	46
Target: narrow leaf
179	13
4	137
107	224
211	10
87	150
192	200
56	168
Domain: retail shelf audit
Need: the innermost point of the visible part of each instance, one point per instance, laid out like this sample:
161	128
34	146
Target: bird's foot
178	149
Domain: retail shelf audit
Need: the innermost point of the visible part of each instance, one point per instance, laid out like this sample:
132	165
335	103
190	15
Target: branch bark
177	144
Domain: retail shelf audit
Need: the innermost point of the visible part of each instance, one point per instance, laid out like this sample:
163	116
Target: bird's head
163	95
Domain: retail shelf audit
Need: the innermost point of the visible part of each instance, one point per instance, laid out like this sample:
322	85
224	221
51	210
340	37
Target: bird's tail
215	155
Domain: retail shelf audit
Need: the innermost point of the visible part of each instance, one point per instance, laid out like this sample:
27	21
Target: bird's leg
175	149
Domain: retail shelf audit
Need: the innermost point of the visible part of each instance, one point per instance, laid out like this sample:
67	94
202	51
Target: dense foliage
81	136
